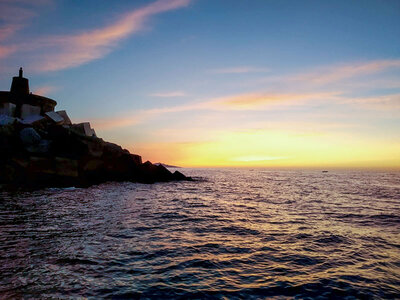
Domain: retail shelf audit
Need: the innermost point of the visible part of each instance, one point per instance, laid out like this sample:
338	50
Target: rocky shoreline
40	147
50	155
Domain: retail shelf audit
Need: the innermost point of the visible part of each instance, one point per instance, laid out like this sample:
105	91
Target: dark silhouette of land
40	147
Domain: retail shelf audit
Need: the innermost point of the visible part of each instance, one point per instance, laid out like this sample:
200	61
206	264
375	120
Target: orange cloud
232	103
77	49
257	101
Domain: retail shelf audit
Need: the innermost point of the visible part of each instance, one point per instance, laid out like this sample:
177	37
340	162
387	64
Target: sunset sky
219	83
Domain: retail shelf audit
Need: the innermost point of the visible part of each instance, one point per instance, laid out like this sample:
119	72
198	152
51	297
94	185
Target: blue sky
193	73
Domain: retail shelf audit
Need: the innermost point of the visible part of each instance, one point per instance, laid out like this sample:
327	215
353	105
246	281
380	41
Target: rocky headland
43	148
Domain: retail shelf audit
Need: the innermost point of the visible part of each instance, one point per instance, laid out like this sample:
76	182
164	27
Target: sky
205	83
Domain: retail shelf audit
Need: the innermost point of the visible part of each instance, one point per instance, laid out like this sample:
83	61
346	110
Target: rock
83	129
64	115
33	120
94	146
29	136
6	120
179	176
51	155
136	158
66	167
42	147
40	165
92	165
54	117
8	109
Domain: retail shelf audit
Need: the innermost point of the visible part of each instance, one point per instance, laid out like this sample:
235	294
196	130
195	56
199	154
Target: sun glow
270	148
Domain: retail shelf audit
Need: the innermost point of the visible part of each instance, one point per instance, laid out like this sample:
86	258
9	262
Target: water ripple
237	234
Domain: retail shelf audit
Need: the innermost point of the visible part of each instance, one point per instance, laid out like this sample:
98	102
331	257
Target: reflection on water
236	234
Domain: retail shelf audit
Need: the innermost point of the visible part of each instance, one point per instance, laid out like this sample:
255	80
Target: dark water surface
238	234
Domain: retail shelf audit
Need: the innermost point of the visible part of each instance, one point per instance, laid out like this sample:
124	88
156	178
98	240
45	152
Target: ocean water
235	234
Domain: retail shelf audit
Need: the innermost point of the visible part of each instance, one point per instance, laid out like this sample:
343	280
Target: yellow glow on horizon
265	148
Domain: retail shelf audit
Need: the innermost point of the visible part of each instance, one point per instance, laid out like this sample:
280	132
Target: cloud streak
331	74
328	75
76	49
72	50
241	102
169	94
239	70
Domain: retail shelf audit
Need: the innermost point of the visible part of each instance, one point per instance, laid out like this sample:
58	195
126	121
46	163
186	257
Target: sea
231	234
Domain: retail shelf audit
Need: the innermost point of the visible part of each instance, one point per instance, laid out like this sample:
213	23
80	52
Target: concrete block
6	120
84	129
28	110
55	117
7	109
31	120
29	136
63	114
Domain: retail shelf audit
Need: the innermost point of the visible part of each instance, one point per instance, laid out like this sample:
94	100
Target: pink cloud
44	90
66	51
14	16
5	51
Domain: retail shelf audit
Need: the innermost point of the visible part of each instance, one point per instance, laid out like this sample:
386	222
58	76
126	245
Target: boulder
179	176
6	120
64	115
54	117
50	155
137	159
7	109
40	165
42	147
66	167
83	129
33	120
29	136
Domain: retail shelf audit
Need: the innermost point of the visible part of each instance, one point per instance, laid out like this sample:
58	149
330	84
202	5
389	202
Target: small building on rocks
20	105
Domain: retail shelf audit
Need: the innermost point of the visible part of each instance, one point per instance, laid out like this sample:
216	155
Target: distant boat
324	171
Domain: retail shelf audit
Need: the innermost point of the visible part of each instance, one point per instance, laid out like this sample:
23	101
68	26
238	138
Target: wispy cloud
169	94
336	73
229	103
262	100
14	16
384	103
71	50
7	50
66	51
239	70
328	76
